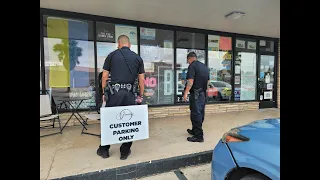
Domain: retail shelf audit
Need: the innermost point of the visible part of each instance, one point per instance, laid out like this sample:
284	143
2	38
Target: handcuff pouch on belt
107	91
122	86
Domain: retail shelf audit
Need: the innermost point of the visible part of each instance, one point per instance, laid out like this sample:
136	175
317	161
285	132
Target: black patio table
74	109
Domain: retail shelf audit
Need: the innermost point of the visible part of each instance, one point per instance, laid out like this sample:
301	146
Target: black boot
194	139
190	132
103	152
125	156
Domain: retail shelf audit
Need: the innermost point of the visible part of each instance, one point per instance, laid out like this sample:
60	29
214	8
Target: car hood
265	125
266	131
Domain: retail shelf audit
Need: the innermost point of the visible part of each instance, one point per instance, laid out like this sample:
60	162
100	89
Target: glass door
266	87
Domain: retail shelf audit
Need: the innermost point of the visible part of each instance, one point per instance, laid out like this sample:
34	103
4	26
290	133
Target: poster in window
147	33
167	48
130	31
167	44
237	69
269	86
149	67
240	44
237	93
213	43
267	94
106	32
262	75
149	53
225	43
237	80
262	43
251	45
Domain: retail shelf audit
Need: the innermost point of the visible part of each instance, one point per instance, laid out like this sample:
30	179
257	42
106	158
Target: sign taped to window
267	94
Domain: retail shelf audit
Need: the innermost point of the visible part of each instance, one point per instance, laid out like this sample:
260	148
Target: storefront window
219	63
187	42
245	78
156	50
69	58
266	46
107	35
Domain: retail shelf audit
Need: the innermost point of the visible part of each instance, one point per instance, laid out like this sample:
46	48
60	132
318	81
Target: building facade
244	69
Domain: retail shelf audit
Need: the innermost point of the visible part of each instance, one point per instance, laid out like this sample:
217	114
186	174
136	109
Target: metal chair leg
60	125
83	126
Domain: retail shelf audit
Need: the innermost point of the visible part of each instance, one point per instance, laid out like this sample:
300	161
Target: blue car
249	152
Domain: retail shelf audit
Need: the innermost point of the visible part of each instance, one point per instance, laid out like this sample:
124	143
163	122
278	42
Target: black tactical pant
197	108
121	98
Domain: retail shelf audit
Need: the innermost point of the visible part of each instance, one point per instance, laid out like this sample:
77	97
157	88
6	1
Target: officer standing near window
125	66
197	83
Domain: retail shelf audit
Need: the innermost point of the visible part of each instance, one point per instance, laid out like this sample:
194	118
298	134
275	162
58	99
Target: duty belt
121	86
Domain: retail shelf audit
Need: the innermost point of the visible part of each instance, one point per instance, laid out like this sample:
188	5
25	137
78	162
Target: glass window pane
69	58
266	46
156	49
266	80
245	79
187	42
219	63
107	35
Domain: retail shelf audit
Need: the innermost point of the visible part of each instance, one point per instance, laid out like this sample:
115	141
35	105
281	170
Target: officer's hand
185	97
139	99
103	99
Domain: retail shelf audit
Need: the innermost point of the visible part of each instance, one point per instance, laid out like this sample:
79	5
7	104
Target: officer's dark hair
123	39
192	54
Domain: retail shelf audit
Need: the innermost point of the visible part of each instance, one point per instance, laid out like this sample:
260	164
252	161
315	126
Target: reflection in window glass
187	42
107	35
219	63
156	50
245	82
245	78
69	58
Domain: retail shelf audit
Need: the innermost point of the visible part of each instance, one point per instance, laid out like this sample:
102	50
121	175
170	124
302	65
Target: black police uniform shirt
118	68
199	72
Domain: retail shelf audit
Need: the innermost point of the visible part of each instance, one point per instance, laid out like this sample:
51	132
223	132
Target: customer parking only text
132	127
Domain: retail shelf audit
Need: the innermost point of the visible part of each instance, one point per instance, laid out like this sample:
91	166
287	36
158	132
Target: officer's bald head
123	40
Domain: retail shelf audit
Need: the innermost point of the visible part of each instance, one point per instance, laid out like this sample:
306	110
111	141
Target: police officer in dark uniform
125	66
197	83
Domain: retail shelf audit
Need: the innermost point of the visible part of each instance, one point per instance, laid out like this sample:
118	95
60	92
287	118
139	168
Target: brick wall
171	111
278	88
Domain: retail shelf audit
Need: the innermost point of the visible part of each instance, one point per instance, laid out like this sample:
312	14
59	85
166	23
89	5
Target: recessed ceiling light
234	15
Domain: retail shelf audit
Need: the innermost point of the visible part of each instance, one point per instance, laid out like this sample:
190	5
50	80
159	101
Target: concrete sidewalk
72	153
